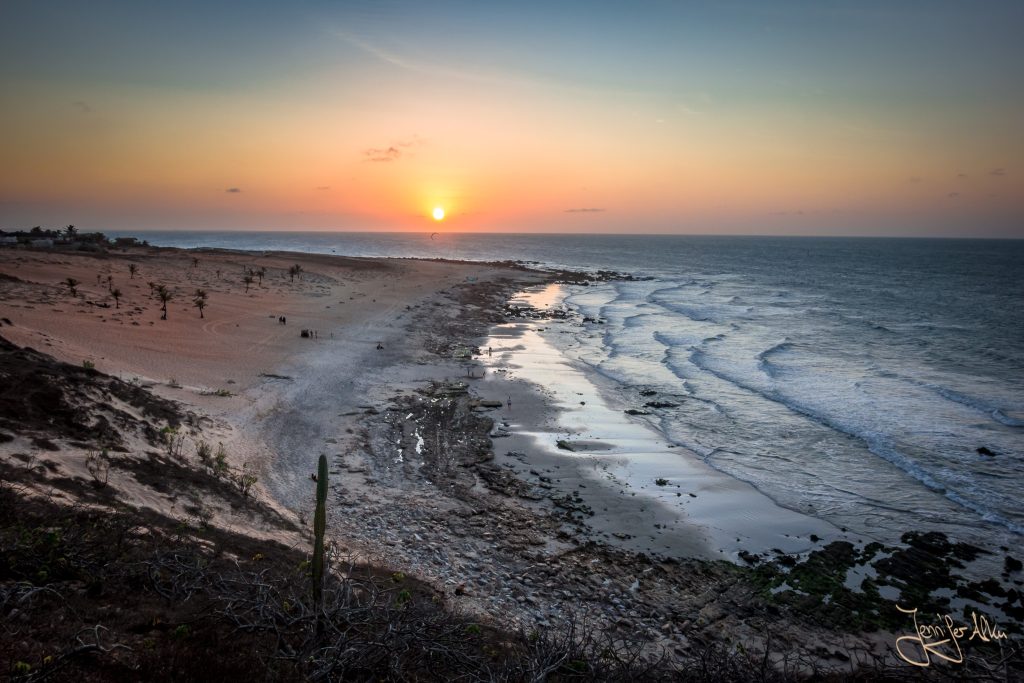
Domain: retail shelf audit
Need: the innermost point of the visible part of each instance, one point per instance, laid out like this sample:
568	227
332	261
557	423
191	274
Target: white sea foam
787	376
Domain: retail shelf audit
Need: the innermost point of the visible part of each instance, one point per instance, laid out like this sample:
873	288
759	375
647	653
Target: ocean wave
854	320
962	399
695	313
877	444
1002	417
638	320
846	340
983	406
763	359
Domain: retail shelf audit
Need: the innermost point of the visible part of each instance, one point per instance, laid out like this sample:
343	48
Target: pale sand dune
238	338
352	303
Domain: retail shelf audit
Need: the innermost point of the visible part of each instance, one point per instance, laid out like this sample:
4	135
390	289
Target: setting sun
438	213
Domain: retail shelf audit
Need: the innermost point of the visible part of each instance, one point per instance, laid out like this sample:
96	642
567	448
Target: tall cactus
319	526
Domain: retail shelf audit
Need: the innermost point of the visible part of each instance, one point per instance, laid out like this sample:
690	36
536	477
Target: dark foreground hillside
96	588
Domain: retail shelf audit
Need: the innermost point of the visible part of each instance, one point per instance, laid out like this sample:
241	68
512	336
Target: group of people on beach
281	320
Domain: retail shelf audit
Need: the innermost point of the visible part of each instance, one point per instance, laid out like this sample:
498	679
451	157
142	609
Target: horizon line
563	234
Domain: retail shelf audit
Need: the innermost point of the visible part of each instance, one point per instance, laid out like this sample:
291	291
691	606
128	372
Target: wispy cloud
586	210
233	190
997	172
915	180
389	154
953	195
322	187
687	109
507	76
402	62
392	152
82	106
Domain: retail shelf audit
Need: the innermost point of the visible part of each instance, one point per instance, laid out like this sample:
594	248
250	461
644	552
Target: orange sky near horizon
371	138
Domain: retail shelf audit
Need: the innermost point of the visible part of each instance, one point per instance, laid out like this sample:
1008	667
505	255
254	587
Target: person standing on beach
510	401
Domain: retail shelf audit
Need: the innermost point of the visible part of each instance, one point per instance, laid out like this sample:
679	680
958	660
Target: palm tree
295	270
71	231
116	293
164	295
200	301
248	281
195	262
152	288
132	269
260	273
72	284
110	283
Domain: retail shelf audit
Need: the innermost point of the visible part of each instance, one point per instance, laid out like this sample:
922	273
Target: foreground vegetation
130	595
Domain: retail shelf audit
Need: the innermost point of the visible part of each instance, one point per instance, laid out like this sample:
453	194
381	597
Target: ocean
874	383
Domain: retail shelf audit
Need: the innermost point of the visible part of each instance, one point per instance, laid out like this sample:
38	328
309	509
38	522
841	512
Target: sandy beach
419	381
231	363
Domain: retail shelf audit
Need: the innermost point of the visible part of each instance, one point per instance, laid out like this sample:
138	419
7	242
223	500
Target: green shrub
204	451
245	480
174	440
220	459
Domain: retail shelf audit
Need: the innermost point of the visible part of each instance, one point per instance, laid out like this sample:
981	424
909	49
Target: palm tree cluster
200	301
295	270
251	274
165	296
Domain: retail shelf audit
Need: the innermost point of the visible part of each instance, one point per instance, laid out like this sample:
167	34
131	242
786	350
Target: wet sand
646	494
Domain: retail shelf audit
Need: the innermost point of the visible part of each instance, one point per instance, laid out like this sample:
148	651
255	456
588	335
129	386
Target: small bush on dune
204	451
98	466
174	441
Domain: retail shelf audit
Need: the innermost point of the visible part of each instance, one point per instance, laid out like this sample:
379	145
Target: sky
814	117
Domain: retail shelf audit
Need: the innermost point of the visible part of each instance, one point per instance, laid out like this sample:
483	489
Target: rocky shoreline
520	551
430	487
